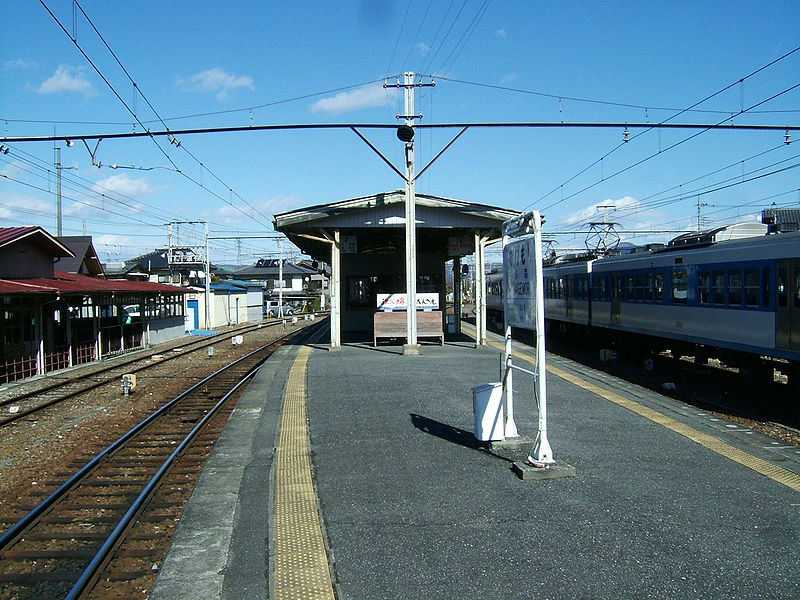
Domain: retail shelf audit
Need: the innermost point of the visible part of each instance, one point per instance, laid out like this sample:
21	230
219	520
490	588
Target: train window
765	287
734	288
659	287
781	287
639	287
648	287
680	287
718	289
630	287
751	287
704	287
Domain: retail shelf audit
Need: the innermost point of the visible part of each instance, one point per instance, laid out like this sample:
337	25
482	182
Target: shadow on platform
454	435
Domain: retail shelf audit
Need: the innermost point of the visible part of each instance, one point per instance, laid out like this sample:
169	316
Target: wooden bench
393	324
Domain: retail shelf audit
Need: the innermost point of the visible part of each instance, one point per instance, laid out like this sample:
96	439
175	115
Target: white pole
335	290
542	453
208	284
280	280
508	380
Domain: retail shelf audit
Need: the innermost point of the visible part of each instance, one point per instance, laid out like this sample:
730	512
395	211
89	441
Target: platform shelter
363	241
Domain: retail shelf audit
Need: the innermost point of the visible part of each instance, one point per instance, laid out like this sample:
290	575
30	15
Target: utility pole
280	280
58	191
208	283
406	134
700	205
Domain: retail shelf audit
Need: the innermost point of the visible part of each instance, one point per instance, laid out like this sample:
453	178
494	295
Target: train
731	293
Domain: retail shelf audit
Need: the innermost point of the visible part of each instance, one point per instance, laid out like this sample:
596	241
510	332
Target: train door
616	298
787	314
569	295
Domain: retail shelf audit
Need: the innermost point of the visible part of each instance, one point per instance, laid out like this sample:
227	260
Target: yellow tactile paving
300	561
766	468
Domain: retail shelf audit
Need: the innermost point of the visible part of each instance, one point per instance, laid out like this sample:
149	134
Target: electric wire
693	106
158	116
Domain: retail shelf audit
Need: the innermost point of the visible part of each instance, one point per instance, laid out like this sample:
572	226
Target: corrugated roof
70	283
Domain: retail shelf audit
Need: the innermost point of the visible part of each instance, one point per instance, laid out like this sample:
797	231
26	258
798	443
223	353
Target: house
52	319
177	266
300	283
85	260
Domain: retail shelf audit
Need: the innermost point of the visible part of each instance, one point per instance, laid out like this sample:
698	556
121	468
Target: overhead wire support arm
483	125
378	152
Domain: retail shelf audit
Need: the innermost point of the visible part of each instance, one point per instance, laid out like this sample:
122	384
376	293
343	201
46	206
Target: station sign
425	301
519	282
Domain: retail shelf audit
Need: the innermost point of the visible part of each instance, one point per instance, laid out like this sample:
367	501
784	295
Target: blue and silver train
712	294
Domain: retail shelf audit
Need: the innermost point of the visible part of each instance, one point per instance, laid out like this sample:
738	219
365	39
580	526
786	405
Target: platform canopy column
480	290
457	293
336	290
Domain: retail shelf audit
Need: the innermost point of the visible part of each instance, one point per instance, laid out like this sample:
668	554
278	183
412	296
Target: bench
392	324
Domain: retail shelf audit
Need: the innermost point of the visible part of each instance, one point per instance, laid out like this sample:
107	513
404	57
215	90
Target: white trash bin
487	410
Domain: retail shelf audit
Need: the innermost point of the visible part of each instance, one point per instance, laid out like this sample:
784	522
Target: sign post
523	299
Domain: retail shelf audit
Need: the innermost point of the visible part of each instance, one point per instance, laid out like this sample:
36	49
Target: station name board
425	301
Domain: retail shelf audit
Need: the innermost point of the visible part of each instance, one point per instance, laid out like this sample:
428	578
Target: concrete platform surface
413	506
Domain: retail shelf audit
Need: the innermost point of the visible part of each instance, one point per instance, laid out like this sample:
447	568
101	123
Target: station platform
355	474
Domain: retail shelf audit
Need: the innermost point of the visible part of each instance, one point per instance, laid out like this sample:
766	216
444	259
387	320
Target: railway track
19	405
102	522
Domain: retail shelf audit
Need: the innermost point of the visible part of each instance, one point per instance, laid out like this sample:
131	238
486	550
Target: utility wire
155	112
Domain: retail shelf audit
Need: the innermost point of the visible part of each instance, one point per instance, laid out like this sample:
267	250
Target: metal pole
508	379
410	226
542	454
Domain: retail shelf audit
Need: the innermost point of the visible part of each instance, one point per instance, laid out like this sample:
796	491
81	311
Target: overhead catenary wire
136	117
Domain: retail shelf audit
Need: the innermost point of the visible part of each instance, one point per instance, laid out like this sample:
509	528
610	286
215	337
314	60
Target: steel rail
103	554
129	360
10	536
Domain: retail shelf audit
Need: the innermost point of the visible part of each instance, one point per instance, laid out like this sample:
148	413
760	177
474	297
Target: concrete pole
58	191
280	280
208	284
411	225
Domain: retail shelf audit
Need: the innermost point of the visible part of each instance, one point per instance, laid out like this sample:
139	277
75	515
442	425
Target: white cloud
215	80
264	209
422	48
21	208
509	77
125	186
368	96
68	79
501	33
601	210
20	64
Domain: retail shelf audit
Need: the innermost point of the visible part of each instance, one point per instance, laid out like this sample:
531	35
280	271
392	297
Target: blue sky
211	64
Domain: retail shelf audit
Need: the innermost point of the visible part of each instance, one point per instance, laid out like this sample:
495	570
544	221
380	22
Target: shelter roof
379	221
72	283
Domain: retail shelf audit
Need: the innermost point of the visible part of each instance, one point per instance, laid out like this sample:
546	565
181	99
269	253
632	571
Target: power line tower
602	236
